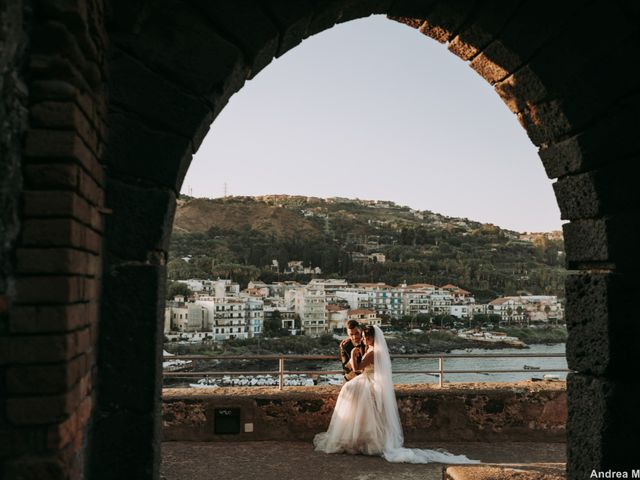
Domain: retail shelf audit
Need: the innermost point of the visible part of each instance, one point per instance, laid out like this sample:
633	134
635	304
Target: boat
290	380
531	367
551	378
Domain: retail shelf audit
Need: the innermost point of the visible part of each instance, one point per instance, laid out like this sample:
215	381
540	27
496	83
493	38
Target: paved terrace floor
298	460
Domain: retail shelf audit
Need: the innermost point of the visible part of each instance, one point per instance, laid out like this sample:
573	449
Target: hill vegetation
240	237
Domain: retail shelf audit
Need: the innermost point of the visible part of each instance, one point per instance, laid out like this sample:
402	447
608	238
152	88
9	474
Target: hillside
241	236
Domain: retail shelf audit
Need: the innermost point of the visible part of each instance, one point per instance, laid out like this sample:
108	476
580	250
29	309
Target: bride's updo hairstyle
369	332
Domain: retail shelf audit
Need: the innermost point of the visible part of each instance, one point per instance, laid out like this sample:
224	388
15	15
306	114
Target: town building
310	305
364	316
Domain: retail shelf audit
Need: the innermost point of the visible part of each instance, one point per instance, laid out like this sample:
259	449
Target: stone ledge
476	412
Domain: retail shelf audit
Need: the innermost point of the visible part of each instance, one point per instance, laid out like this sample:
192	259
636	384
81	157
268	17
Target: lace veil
384	393
385	398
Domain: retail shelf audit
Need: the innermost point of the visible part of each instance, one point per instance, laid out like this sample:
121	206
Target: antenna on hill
225	189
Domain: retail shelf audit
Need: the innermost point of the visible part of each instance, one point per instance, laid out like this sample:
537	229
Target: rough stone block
355	9
545	122
521	89
141	222
247	26
601	323
494	63
482	28
325	16
602	242
134	88
181	44
609	140
603	426
446	18
411	8
130	347
292	20
132	144
576	42
126	426
125	445
597	193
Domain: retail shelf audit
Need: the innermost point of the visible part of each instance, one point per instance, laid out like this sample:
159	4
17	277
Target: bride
366	419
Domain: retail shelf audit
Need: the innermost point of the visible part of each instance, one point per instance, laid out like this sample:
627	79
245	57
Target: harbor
540	362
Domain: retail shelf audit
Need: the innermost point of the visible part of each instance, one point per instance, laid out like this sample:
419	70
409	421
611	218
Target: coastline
435	341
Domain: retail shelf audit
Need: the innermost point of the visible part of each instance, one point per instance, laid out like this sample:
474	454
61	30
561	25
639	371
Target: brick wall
51	327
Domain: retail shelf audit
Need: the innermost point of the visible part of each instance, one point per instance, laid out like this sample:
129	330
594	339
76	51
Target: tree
178	288
272	326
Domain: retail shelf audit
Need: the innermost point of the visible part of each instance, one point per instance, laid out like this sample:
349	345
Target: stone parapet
471	412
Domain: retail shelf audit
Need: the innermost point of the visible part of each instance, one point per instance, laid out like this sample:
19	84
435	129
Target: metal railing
281	371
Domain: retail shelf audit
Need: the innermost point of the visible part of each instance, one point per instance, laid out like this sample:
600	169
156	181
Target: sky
373	109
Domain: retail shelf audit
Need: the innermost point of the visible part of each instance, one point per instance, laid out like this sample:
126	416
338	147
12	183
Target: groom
353	340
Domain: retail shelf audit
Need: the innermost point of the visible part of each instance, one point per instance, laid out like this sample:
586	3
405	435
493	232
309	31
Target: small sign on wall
227	421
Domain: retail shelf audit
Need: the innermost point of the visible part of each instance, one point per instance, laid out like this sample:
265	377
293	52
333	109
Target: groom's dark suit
346	346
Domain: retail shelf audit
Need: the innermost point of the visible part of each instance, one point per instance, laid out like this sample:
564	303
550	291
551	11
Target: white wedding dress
366	420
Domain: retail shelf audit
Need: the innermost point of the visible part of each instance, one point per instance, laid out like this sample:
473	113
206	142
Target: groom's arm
345	359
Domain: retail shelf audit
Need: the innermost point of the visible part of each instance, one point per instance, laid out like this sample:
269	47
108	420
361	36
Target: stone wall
13	118
523	411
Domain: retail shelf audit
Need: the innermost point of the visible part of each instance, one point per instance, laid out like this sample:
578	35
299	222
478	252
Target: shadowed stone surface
297	460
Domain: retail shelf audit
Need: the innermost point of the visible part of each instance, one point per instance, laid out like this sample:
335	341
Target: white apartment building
543	308
336	317
364	316
197	285
187	317
330	285
225	288
176	315
254	312
310	305
415	302
384	299
461	311
355	297
230	319
527	308
441	303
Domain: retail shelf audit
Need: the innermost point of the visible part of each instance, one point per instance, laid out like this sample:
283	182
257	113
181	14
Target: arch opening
164	92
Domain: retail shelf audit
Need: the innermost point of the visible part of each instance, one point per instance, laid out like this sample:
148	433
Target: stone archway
171	68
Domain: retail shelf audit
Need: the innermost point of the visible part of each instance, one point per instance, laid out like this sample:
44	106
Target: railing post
441	370
281	373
